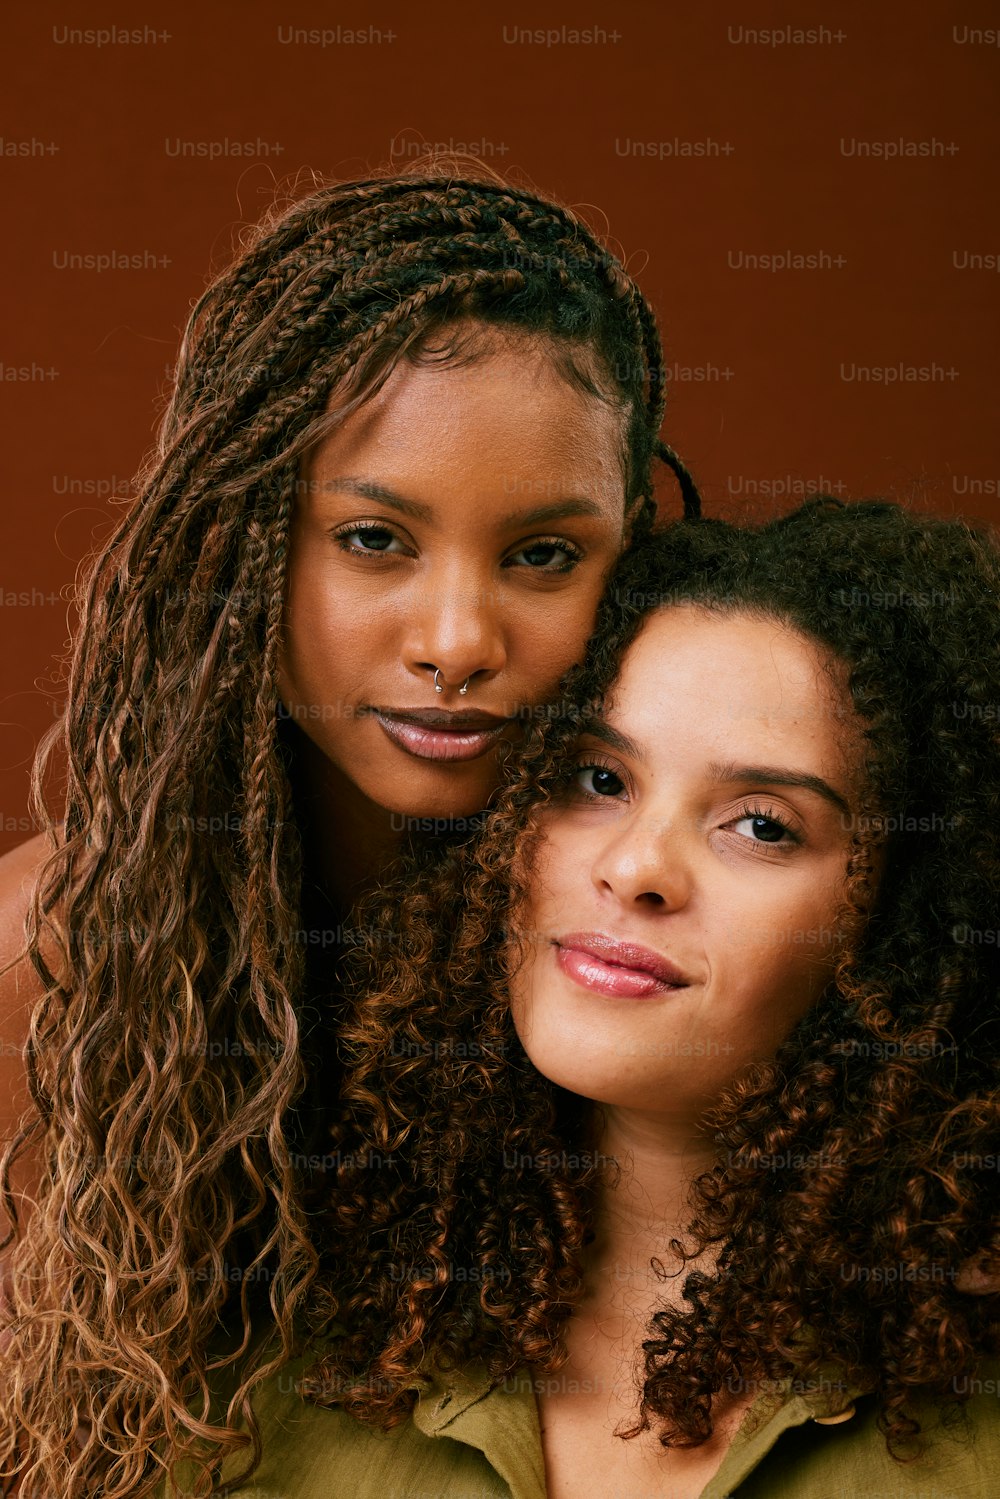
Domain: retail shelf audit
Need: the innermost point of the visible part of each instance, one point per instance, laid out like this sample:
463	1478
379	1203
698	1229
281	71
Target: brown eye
549	556
766	831
598	780
370	538
763	827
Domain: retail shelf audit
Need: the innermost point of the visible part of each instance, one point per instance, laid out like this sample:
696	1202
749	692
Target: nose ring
438	687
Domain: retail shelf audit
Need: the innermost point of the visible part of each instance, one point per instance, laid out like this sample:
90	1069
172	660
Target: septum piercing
439	688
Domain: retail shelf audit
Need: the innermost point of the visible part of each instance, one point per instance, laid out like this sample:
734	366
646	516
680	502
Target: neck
640	1209
347	840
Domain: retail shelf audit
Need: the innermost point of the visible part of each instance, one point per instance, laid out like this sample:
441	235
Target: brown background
96	161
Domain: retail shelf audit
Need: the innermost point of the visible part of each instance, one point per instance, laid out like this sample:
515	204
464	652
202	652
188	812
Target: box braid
179	991
359	262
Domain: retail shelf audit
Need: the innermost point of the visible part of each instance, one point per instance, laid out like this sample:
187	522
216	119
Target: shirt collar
466	1404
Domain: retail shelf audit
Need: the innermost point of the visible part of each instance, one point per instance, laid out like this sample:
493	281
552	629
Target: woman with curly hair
412	428
668	1136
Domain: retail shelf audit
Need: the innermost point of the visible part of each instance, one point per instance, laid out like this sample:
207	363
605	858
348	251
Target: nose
642	863
456	631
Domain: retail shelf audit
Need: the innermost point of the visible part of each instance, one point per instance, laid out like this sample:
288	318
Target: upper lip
441	718
624	955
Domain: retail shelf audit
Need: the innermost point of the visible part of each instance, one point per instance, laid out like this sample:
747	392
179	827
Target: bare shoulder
19	873
20	986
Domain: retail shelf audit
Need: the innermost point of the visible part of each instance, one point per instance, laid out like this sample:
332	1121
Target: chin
419	804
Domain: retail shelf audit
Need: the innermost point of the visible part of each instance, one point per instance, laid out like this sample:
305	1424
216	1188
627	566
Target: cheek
534	869
556	876
547	629
555	867
775	959
315	602
330	634
546	634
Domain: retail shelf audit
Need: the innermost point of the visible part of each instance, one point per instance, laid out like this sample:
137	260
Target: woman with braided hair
662	1176
412	428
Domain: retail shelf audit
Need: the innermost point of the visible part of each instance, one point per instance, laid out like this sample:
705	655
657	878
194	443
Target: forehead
502	399
733	686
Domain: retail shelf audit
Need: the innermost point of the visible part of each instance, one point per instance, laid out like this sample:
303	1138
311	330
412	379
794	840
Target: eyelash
748	809
769	815
340	535
573	553
358	528
594	762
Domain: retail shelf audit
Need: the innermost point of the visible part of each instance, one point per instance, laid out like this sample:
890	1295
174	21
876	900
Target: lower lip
439	744
610	979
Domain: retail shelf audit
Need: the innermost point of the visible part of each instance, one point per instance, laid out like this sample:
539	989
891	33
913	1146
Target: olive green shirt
466	1441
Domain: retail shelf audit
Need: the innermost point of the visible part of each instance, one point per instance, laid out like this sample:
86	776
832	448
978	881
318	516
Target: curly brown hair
180	1029
852	1170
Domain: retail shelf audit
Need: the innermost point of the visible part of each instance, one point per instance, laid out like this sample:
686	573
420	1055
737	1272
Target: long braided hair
165	1058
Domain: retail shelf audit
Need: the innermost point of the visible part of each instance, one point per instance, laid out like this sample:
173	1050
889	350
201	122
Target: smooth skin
462	521
680	834
485	505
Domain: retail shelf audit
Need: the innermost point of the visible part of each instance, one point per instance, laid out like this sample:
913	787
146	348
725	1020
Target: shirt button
835	1420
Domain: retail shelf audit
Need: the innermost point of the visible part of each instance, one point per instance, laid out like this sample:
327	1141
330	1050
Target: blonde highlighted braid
165	1058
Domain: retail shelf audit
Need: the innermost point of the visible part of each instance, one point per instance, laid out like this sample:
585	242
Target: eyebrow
728	771
601	729
576	505
369	489
772	775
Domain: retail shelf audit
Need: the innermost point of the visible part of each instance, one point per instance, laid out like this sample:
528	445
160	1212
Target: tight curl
854	1171
175	1058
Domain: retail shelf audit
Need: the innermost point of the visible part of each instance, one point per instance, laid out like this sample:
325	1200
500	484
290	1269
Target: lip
445	718
436	734
619	970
